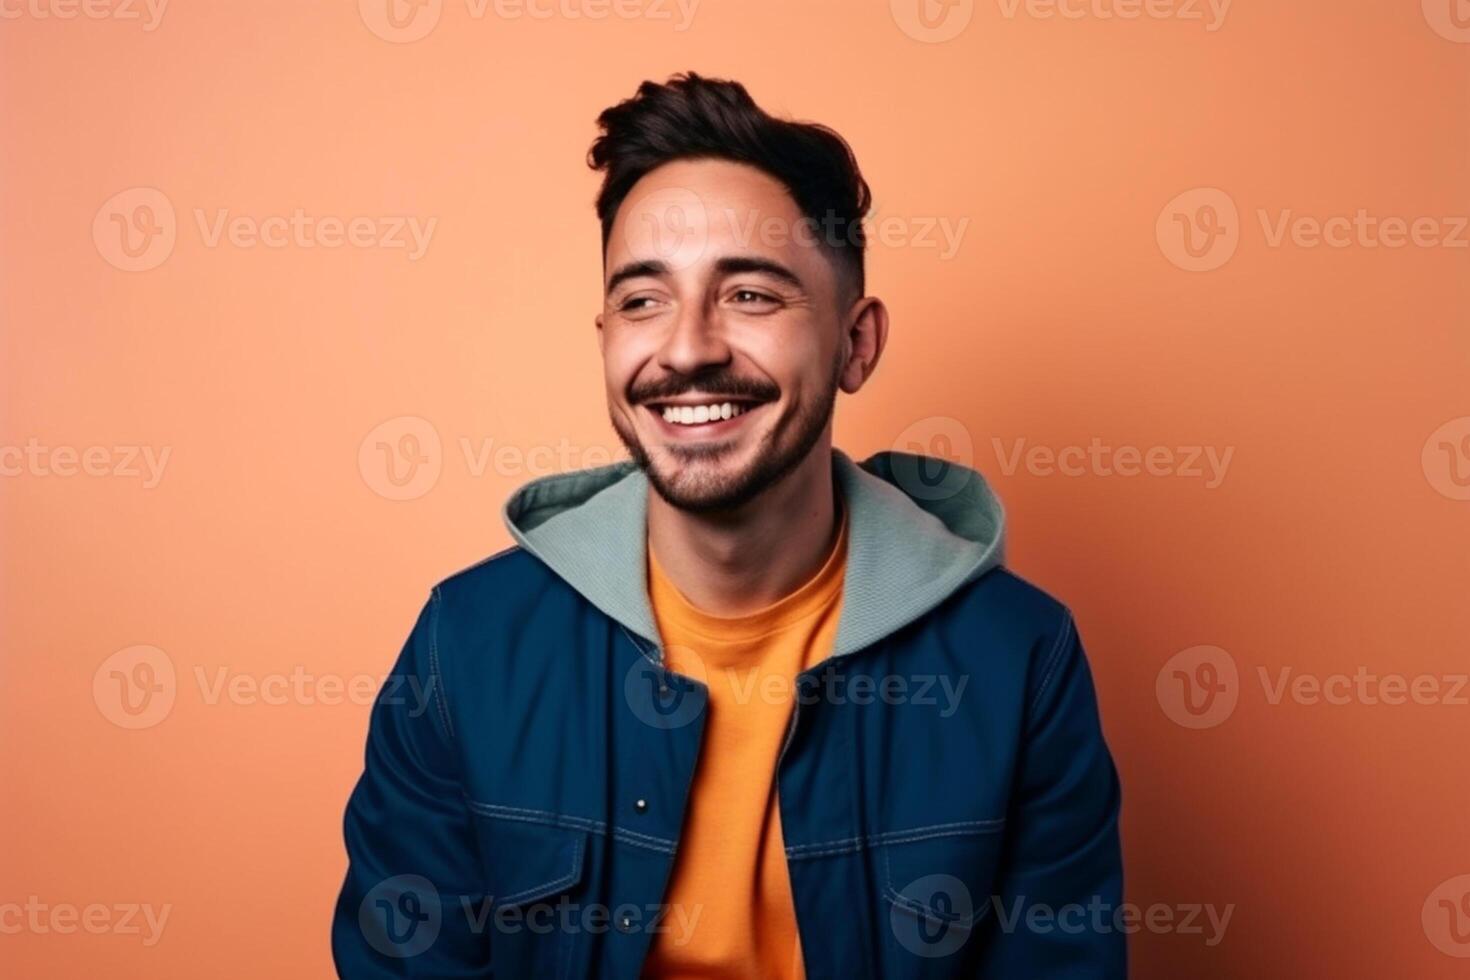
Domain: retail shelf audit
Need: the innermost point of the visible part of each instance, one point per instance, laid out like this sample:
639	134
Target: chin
702	485
722	475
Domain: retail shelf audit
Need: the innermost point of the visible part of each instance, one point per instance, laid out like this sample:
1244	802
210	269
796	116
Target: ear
598	320
867	333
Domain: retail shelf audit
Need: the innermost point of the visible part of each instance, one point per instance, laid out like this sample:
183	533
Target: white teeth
697	414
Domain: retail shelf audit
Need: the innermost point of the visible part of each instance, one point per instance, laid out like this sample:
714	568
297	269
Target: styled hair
694	117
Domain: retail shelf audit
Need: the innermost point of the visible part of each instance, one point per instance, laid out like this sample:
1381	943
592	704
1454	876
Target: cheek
797	360
622	359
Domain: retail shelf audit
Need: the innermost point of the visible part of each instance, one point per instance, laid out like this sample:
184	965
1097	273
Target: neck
736	562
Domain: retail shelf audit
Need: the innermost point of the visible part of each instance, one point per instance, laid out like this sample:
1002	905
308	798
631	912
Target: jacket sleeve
1061	885
410	902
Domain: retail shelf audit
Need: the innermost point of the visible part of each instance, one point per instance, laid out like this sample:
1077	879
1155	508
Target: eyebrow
635	270
727	266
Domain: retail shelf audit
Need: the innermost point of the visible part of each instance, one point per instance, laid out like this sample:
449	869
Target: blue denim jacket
949	807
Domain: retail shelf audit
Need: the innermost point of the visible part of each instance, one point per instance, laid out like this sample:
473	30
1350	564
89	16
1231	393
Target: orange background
269	547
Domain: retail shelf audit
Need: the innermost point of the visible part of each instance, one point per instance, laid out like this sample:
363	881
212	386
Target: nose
695	342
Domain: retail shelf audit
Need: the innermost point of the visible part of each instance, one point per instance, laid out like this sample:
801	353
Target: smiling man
740	707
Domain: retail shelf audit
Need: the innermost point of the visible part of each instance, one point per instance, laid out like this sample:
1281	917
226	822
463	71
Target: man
739	707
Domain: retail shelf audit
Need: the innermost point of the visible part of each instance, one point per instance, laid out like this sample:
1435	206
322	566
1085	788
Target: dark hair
693	117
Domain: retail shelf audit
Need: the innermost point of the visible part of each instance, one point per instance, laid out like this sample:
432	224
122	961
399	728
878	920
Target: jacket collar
919	528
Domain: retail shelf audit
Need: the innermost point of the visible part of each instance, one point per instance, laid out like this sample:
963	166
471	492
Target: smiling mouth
707	415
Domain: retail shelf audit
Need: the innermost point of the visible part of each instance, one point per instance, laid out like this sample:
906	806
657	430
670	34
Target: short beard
771	466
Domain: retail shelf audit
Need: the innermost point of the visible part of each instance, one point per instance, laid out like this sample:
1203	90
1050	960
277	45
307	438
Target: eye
745	296
638	304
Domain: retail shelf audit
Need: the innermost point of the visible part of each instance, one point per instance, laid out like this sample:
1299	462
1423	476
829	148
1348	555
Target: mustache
729	385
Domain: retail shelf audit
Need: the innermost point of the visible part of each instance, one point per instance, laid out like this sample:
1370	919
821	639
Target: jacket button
641	806
625	924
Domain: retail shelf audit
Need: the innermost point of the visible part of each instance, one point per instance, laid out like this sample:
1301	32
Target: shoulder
508	570
1017	633
1009	607
511	591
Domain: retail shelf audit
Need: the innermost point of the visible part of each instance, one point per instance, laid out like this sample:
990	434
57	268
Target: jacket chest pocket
533	877
936	887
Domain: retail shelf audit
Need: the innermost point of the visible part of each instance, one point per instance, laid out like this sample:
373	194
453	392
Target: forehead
689	213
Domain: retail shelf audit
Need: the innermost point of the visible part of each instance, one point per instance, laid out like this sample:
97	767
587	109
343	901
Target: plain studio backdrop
295	293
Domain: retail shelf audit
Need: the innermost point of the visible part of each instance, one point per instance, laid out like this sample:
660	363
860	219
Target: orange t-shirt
730	885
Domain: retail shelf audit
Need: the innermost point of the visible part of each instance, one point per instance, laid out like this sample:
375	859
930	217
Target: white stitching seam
436	677
630	837
1053	659
964	828
552	885
914	905
639	647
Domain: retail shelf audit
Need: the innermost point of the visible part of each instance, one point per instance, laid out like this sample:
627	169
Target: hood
919	527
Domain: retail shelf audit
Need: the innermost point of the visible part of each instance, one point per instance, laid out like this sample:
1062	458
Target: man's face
720	331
